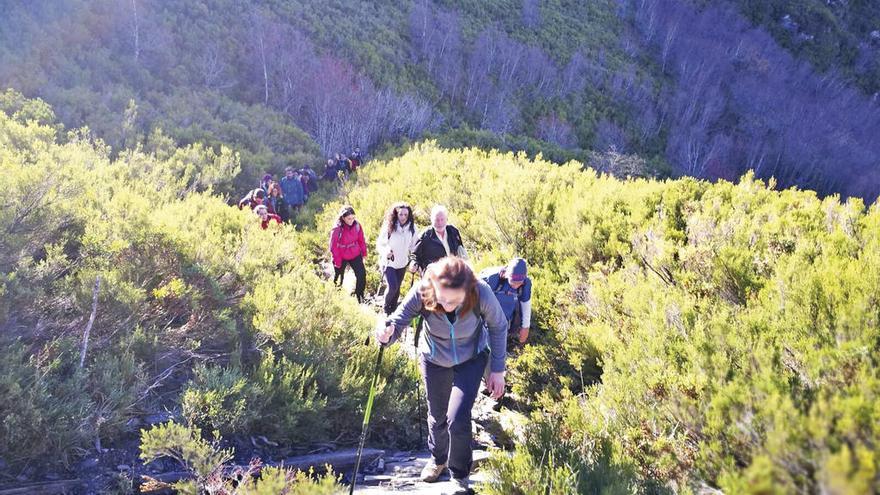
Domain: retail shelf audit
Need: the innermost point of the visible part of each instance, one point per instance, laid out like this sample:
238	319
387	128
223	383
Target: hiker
264	183
275	202
395	244
253	199
437	241
266	217
348	247
513	289
304	180
342	165
291	186
330	169
313	179
453	354
355	159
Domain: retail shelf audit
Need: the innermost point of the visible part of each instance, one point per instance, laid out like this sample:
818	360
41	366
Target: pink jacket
347	243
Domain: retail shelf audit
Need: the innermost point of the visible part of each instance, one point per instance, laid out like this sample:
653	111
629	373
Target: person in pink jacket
348	247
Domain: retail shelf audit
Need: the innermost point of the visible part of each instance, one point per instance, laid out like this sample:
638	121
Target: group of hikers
339	166
464	319
279	201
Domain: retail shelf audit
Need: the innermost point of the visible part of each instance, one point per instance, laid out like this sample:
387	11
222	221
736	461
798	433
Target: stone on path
402	476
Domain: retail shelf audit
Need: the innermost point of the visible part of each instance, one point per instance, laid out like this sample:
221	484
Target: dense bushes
199	310
206	463
689	335
692	335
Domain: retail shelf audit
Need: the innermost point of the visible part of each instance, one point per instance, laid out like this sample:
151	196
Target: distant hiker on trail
275	202
355	159
266	217
348	247
292	188
438	240
453	354
304	180
513	289
313	179
342	164
330	169
253	199
395	244
264	183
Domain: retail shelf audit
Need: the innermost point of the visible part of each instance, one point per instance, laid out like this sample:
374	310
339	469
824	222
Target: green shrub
218	399
287	406
704	334
320	335
186	446
189	289
51	407
206	462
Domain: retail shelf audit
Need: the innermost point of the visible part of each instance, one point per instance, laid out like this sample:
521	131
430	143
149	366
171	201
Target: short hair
260	209
436	210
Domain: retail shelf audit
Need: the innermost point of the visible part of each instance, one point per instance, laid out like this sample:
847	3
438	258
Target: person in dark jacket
253	199
342	165
304	180
313	179
349	247
275	202
355	159
291	187
437	241
264	183
464	329
330	169
513	289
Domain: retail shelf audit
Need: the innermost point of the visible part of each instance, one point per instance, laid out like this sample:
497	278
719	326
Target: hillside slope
690	336
687	334
292	82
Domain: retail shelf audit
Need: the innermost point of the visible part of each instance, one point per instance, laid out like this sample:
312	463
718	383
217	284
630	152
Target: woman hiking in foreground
453	354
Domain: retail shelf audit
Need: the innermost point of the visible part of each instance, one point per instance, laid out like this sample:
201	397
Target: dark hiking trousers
393	278
451	394
360	274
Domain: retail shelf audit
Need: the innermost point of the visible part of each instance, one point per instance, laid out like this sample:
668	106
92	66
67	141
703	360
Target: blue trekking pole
366	423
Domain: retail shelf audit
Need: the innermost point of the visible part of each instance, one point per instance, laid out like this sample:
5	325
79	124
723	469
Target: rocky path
402	476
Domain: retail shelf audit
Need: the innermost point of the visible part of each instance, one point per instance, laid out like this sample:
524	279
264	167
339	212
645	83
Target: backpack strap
457	235
500	281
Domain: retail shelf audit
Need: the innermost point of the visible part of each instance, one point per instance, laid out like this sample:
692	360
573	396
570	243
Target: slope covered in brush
690	334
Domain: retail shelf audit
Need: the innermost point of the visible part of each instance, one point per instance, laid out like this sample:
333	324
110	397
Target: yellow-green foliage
199	311
688	334
186	446
206	461
699	334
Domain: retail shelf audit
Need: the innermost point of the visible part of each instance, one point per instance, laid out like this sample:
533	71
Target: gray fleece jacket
447	344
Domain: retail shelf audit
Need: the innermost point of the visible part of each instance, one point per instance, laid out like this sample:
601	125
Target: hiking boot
431	472
460	486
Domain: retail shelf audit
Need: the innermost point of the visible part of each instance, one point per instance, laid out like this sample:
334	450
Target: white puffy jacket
402	242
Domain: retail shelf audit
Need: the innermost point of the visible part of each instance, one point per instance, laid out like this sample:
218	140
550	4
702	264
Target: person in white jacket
396	242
